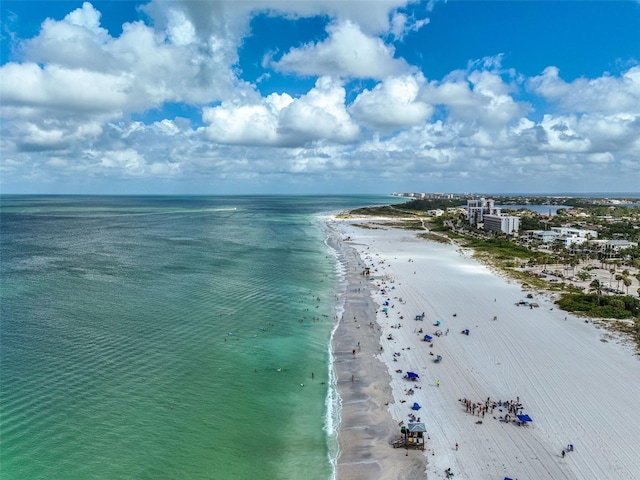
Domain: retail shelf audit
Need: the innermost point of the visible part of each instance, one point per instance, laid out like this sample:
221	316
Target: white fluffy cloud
72	106
392	104
347	52
478	96
140	69
606	94
280	120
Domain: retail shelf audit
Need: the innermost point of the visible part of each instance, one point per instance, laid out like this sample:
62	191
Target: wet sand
366	427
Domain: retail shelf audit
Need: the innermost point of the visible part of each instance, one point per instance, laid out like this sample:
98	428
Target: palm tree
583	276
627	283
595	286
618	278
574	263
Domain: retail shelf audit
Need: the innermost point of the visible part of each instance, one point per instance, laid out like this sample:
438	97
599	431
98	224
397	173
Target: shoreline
366	427
546	358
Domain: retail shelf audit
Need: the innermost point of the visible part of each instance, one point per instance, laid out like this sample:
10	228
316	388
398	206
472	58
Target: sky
319	97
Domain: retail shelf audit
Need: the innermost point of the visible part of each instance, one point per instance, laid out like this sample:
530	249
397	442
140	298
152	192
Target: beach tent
524	418
411	375
416	406
428	338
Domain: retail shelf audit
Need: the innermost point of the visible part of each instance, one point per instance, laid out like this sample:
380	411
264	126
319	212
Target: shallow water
167	337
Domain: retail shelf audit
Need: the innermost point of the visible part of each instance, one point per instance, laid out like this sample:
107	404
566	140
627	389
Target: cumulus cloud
280	120
59	89
130	163
348	52
477	96
72	105
606	94
392	104
140	69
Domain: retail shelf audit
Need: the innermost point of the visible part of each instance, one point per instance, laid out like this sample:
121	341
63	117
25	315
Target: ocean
168	337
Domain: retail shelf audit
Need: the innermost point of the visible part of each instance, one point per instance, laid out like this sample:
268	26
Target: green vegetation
434	237
500	249
365	226
409	225
624	309
385	211
531	222
433	204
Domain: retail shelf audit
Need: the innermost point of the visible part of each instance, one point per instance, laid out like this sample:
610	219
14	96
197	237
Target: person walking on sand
563	453
456	446
437	383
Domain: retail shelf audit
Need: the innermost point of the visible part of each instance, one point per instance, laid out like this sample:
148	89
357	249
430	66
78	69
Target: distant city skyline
323	97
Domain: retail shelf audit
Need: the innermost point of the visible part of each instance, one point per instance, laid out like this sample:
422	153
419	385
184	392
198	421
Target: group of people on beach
513	407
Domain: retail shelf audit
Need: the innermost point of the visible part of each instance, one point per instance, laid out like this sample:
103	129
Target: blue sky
319	96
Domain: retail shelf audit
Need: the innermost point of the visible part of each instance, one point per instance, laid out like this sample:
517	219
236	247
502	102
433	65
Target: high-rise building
477	209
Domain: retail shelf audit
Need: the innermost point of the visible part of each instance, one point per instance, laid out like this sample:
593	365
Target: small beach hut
414	435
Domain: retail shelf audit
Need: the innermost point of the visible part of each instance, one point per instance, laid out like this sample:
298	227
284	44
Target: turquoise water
167	337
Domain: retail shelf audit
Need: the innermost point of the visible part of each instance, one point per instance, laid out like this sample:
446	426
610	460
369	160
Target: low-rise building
570	240
617	245
544	236
508	224
575	232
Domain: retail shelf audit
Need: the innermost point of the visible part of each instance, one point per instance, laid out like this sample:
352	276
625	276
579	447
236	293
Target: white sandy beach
579	384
